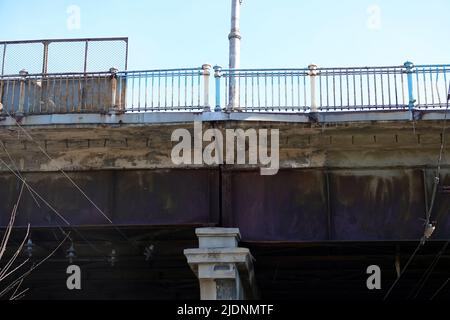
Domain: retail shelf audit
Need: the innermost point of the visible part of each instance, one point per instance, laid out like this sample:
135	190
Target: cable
436	183
18	176
403	271
440	289
71	180
63	172
429	271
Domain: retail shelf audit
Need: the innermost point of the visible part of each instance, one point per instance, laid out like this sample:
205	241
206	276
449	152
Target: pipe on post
23	77
206	73
217	75
235	54
409	71
113	102
313	73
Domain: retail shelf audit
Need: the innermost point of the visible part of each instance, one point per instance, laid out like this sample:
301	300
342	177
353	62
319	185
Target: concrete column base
224	270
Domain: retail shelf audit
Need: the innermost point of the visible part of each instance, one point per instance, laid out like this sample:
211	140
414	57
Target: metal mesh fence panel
103	55
66	57
63	56
20	56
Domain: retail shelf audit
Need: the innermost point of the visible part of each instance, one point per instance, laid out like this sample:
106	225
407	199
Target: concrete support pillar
224	270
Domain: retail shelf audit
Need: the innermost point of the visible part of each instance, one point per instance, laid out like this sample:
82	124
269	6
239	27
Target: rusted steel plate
289	206
141	197
377	204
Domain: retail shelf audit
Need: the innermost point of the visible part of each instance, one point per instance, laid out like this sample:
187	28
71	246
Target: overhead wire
435	188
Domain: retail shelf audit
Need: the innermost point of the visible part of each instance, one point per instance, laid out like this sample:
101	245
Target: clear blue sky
281	33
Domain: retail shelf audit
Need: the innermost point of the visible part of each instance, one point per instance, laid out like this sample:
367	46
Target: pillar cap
23	72
218	237
218	232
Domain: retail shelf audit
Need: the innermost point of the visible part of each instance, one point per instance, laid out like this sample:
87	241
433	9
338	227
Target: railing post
217	76
114	106
206	73
45	57
1	94
313	73
23	76
409	73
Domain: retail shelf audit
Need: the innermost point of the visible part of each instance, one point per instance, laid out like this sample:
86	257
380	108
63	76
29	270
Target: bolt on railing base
116	111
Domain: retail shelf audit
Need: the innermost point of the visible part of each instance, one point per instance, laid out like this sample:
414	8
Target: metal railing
311	89
58	93
166	90
333	89
101	92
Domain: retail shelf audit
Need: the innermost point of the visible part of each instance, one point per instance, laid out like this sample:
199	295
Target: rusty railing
101	92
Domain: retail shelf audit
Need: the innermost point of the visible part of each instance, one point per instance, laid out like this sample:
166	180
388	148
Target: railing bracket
313	117
417	114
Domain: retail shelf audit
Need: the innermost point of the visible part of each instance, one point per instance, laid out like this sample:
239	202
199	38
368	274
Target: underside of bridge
347	196
284	270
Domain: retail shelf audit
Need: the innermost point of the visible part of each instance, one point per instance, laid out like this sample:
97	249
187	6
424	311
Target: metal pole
3	60
45	58
235	53
409	71
86	46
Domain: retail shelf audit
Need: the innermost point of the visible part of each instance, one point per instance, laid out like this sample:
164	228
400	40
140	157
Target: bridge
362	168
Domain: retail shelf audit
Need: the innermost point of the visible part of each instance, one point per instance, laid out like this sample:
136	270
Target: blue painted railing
335	89
311	89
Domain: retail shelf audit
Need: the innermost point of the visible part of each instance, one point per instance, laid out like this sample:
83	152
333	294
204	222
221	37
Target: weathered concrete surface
349	145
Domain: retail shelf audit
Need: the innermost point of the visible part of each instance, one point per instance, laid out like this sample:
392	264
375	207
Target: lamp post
235	53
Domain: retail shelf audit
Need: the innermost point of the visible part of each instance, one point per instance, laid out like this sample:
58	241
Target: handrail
312	89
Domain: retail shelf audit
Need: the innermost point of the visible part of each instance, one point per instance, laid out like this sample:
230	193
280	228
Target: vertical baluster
447	87
348	88
368	86
355	103
272	90
327	87
226	89
166	77
431	86
265	91
382	87
418	88
395	87
292	91
192	89
361	88
304	90
402	81
389	88
279	91
340	90
285	89
146	91
425	86
257	84
320	93
252	103
375	87
334	89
